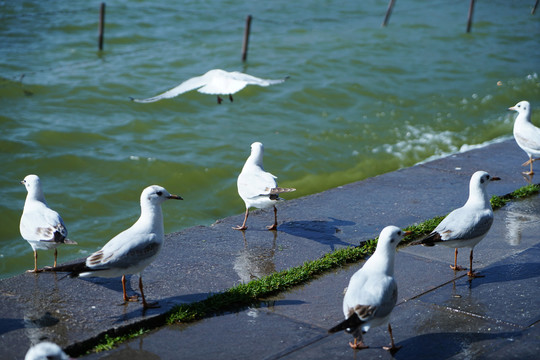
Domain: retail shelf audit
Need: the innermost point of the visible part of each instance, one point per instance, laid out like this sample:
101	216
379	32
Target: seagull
41	226
372	291
468	225
214	82
46	351
130	251
526	134
257	187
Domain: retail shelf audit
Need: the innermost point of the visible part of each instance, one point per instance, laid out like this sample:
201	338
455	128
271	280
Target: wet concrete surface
440	315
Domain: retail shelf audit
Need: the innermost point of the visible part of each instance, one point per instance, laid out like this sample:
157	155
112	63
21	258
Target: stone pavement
440	314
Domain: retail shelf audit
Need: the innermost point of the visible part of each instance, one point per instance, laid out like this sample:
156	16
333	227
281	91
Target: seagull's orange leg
55	256
273	226
529	162
471	273
243	227
145	304
126	298
456	267
35	264
392	348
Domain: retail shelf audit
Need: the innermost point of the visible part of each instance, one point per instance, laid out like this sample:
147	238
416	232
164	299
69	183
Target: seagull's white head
391	236
156	194
257	152
257	148
522	107
46	351
31	182
481	179
33	186
478	187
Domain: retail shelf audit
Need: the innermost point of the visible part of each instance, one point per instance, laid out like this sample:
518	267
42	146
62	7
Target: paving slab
202	260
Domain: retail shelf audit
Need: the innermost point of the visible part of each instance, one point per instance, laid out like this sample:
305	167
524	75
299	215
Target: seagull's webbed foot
529	173
272	227
392	348
457	268
34	271
132	298
128	299
473	275
358	345
240	227
152	305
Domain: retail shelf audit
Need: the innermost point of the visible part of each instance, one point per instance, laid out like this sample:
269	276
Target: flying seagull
468	225
41	226
526	134
372	291
130	251
214	82
257	187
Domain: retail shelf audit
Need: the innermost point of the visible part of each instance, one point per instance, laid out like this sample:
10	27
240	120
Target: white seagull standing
132	250
214	82
372	291
257	187
468	225
41	226
526	134
46	351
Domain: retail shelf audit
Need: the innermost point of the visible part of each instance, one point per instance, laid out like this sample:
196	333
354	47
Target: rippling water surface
361	100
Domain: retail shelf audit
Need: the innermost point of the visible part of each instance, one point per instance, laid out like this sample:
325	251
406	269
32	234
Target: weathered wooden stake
388	12
246	38
469	18
534	7
101	25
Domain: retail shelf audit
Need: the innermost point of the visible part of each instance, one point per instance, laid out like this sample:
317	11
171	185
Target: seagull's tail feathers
280	190
350	324
69	241
73	269
429	240
274	192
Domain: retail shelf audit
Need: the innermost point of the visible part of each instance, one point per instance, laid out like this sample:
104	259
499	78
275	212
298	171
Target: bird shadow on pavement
321	231
507	272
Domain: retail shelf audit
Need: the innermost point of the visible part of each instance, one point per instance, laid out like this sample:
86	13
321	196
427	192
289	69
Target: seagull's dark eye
159	193
399	233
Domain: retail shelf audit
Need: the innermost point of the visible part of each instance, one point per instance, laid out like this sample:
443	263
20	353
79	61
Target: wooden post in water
101	25
388	12
245	43
469	18
534	7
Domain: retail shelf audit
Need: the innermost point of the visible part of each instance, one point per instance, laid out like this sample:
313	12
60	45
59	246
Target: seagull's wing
464	224
252	80
528	136
124	250
256	182
220	85
186	86
43	224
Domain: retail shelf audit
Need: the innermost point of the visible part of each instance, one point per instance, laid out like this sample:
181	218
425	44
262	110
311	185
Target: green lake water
361	100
